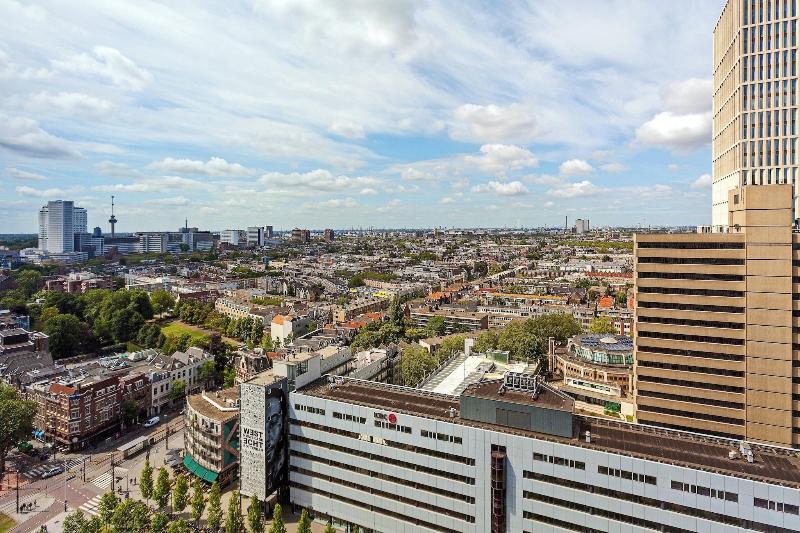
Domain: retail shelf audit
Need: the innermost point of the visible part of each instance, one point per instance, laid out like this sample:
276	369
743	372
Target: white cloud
688	96
614	167
493	123
319	179
542	179
512	188
117	170
215	166
63	102
174	201
499	159
391	205
107	63
702	182
549	204
447	200
576	190
155	184
368	191
672	167
52	194
18	174
25	137
676	132
575	167
347	128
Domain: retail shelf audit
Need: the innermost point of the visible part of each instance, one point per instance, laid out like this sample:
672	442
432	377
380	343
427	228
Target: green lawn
6	524
175	329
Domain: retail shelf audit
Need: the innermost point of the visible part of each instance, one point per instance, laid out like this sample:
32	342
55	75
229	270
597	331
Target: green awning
198	470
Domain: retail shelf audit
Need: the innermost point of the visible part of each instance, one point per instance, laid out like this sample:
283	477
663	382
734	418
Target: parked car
152	422
52	471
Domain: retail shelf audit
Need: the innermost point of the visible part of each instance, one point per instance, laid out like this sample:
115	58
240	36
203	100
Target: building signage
252	440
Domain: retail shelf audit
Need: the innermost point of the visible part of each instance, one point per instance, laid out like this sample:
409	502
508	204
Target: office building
581	226
328	235
255	236
715	330
57	226
506	455
233	237
268	234
754	99
301	235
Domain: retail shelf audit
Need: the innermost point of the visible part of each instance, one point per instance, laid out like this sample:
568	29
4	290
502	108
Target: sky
357	113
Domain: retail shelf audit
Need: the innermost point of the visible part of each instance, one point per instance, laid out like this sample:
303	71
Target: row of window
720	245
393	427
626	474
349	418
371	508
691	399
769	66
761	153
705	491
691	384
691	261
699	276
775	123
381	459
691	338
440	436
597	511
658	504
692	414
552	459
760	11
776	506
380	475
691	322
309	409
690	353
768	36
691	292
690	368
644	420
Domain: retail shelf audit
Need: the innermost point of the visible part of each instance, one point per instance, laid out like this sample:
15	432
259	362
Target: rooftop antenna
113	219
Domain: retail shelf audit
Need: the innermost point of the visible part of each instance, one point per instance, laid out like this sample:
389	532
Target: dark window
687	368
691	307
691	292
691	338
690	322
690	276
692	384
691	414
690	353
691	260
693	245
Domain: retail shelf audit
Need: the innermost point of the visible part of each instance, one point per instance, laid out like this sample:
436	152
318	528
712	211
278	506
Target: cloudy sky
394	113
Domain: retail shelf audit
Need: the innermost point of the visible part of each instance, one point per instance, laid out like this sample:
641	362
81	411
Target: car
152	422
52	471
173	461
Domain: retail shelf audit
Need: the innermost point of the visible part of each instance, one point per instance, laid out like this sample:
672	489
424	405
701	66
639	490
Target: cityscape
528	314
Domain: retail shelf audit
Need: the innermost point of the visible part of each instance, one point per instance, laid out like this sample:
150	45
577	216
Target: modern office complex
57	226
716	339
755	99
510	455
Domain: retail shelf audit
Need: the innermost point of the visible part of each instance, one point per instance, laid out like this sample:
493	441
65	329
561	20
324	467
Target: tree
28	281
208	373
415	364
130	516
229	377
16	421
436	326
178	526
48	313
235	521
255	517
162	487
130	412
214	519
162	301
304	524
146	481
277	520
198	501
74	522
180	493
329	527
159	523
68	335
480	268
106	507
178	390
450	345
601	324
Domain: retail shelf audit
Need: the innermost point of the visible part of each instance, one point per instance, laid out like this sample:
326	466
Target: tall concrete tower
113	219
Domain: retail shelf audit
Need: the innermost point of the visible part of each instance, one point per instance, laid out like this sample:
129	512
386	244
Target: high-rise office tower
754	100
57	226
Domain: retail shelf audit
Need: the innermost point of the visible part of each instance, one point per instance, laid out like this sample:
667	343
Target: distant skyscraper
57	226
267	232
329	235
754	99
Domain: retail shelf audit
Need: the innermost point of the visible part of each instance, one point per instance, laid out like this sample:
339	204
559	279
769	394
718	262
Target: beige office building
717	349
754	99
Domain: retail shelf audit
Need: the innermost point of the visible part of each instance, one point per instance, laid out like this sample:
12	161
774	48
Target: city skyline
402	115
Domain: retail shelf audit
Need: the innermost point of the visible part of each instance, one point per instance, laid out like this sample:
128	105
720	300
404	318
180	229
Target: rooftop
710	454
220	406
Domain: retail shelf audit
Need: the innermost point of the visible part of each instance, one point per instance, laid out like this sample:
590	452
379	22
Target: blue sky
357	113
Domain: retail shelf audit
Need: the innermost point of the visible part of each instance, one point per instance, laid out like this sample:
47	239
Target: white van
152	422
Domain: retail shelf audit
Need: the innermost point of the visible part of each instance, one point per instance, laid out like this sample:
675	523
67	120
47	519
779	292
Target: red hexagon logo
392	418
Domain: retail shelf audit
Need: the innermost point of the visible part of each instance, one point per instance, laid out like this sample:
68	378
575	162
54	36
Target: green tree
146	481
451	345
235	521
601	324
229	377
255	517
108	502
480	268
277	525
178	390
436	326
93	525
28	281
198	500
68	335
16	421
208	373
162	301
48	313
304	524
329	527
159	523
415	364
214	518
130	516
74	522
180	493
178	526
161	488
130	412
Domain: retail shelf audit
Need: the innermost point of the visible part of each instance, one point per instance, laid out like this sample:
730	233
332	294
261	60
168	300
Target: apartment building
717	349
501	457
754	99
455	320
165	371
211	439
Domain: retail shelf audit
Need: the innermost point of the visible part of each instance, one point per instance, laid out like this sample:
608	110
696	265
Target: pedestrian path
103	481
37	471
92	506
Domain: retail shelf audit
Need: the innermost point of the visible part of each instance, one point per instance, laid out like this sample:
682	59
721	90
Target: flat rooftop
710	454
220	406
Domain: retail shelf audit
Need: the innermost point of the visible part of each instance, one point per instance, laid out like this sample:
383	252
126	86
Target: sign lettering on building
252	440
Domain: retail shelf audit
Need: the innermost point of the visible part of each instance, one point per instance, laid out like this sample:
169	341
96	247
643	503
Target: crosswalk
103	481
37	471
91	507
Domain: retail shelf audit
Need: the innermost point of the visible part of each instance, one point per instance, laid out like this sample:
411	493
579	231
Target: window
625	474
571	463
704	491
394	427
776	506
440	436
349	418
308	409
